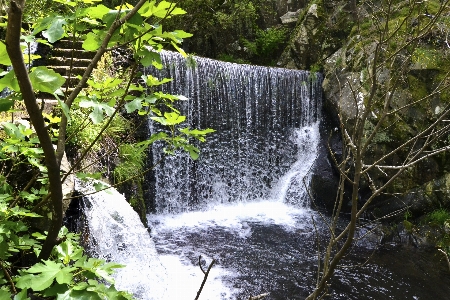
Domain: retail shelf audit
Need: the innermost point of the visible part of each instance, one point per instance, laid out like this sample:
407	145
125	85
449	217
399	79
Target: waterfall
250	185
266	122
116	234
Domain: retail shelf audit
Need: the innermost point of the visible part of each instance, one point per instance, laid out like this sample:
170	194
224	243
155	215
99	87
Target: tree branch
205	273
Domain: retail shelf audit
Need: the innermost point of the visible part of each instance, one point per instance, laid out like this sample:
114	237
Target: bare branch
205	277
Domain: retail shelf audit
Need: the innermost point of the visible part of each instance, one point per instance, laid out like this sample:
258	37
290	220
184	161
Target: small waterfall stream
117	234
243	202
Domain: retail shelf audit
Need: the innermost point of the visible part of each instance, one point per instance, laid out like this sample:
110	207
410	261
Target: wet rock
421	200
290	17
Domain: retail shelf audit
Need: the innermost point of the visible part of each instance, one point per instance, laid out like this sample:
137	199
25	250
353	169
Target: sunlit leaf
9	81
4	58
56	30
46	80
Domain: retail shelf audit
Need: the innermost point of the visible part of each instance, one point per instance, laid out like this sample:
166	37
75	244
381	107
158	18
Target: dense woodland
386	130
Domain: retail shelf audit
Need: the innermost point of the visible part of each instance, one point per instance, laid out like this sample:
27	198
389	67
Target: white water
252	173
117	234
235	219
265	120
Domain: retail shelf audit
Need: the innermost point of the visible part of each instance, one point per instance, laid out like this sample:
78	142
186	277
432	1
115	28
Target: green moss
417	88
438	217
427	58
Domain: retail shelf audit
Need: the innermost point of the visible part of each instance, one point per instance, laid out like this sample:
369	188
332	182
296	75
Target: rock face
304	41
327	38
321	30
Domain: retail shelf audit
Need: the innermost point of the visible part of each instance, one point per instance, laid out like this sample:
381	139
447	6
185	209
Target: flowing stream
244	202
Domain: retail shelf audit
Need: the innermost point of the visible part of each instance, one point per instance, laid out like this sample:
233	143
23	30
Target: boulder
290	17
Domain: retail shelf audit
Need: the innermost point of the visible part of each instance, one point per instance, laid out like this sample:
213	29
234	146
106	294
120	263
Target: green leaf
149	57
6	104
99	186
169	119
177	11
55	289
42	24
64	108
5	295
46	80
78	295
174	118
92	42
96	115
181	51
153	81
56	30
4	57
194	152
22	295
181	34
46	274
136	104
9	81
98	108
162	9
98	11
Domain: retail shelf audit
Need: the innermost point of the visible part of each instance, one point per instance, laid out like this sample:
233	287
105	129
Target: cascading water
265	119
117	234
243	202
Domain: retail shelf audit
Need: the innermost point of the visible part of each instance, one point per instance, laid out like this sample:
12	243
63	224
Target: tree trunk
15	54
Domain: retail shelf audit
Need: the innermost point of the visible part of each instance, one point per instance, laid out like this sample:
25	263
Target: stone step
65	70
66	61
69	44
78	54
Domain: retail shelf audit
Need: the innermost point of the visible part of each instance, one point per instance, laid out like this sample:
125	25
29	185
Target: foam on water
172	231
233	217
184	280
117	234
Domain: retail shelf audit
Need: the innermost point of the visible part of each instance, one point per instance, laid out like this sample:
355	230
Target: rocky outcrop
418	201
321	30
326	38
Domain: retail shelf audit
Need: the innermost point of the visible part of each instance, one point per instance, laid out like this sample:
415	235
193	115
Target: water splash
255	111
117	234
293	186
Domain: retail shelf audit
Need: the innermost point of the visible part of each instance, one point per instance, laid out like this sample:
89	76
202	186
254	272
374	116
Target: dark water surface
276	253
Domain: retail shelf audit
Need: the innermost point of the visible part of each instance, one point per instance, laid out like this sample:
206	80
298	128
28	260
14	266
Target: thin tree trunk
15	53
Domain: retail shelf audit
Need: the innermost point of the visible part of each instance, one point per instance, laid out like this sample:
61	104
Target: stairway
59	59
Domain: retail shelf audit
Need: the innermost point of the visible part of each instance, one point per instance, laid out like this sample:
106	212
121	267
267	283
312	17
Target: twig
10	279
446	257
205	273
261	296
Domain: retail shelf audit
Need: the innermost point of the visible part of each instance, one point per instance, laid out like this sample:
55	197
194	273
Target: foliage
82	132
131	161
224	29
71	274
52	264
438	217
267	44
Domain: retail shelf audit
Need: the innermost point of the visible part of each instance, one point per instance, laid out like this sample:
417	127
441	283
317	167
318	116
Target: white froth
117	234
184	280
233	217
